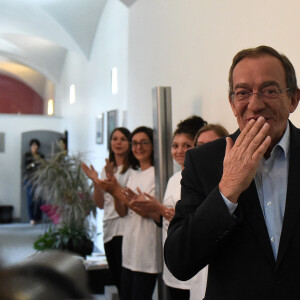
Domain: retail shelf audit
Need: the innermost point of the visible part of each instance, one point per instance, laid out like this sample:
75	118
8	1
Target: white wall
10	160
189	45
92	79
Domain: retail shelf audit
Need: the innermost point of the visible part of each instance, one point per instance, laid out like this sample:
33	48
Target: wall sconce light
50	107
114	81
72	94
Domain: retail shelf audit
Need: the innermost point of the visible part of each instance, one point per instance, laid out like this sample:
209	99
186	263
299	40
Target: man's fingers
257	130
249	133
259	138
261	150
244	132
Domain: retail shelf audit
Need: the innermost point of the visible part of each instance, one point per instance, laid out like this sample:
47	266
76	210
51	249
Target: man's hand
242	158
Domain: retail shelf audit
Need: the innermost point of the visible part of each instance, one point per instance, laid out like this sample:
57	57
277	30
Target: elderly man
240	199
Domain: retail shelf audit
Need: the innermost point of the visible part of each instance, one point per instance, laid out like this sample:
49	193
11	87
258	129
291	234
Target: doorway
48	147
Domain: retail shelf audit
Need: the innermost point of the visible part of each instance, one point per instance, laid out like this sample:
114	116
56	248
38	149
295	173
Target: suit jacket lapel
292	206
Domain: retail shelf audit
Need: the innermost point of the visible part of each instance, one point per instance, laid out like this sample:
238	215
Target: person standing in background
209	133
32	161
140	251
118	164
183	140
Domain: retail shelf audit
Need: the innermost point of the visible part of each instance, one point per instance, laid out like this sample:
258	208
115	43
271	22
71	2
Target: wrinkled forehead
255	71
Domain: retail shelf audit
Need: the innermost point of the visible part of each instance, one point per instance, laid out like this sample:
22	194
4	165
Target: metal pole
162	135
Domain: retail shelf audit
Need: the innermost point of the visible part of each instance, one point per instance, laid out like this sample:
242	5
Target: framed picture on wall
100	129
112	123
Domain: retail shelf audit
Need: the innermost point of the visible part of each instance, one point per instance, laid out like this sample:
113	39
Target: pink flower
51	212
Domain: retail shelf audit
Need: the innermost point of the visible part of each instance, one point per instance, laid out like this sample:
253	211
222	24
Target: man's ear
294	101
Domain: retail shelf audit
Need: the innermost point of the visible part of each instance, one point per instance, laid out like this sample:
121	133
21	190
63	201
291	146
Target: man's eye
269	91
242	93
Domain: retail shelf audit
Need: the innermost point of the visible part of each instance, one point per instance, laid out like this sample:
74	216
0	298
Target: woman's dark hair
190	126
149	132
34	141
129	160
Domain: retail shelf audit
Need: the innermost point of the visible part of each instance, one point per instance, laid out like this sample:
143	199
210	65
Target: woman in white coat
183	139
118	164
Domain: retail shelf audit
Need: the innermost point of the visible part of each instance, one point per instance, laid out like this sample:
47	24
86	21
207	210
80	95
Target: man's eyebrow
261	86
269	83
242	85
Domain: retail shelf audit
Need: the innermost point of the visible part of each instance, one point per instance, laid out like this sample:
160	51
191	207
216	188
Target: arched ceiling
38	33
35	35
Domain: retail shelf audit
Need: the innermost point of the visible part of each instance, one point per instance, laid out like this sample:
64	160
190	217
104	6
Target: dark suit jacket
237	248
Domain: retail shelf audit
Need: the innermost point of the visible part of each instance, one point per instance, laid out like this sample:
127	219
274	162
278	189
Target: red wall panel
17	97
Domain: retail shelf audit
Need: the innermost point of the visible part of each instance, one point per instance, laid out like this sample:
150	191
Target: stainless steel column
162	135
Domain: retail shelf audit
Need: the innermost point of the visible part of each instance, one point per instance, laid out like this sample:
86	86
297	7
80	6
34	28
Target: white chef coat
197	284
141	248
113	224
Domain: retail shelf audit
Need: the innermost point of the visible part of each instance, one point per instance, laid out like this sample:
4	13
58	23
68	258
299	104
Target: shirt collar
284	143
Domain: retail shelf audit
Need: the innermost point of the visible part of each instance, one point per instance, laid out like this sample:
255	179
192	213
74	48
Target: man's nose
256	103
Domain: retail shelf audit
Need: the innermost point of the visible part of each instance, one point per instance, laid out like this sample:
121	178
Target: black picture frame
112	123
100	129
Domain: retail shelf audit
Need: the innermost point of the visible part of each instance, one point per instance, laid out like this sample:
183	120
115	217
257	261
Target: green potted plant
66	193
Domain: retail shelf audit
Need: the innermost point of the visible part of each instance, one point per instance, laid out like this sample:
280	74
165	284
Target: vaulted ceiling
35	35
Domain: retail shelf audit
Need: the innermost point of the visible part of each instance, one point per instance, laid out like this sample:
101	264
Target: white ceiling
38	33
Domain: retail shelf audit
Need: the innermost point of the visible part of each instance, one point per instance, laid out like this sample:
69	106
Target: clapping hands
146	204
